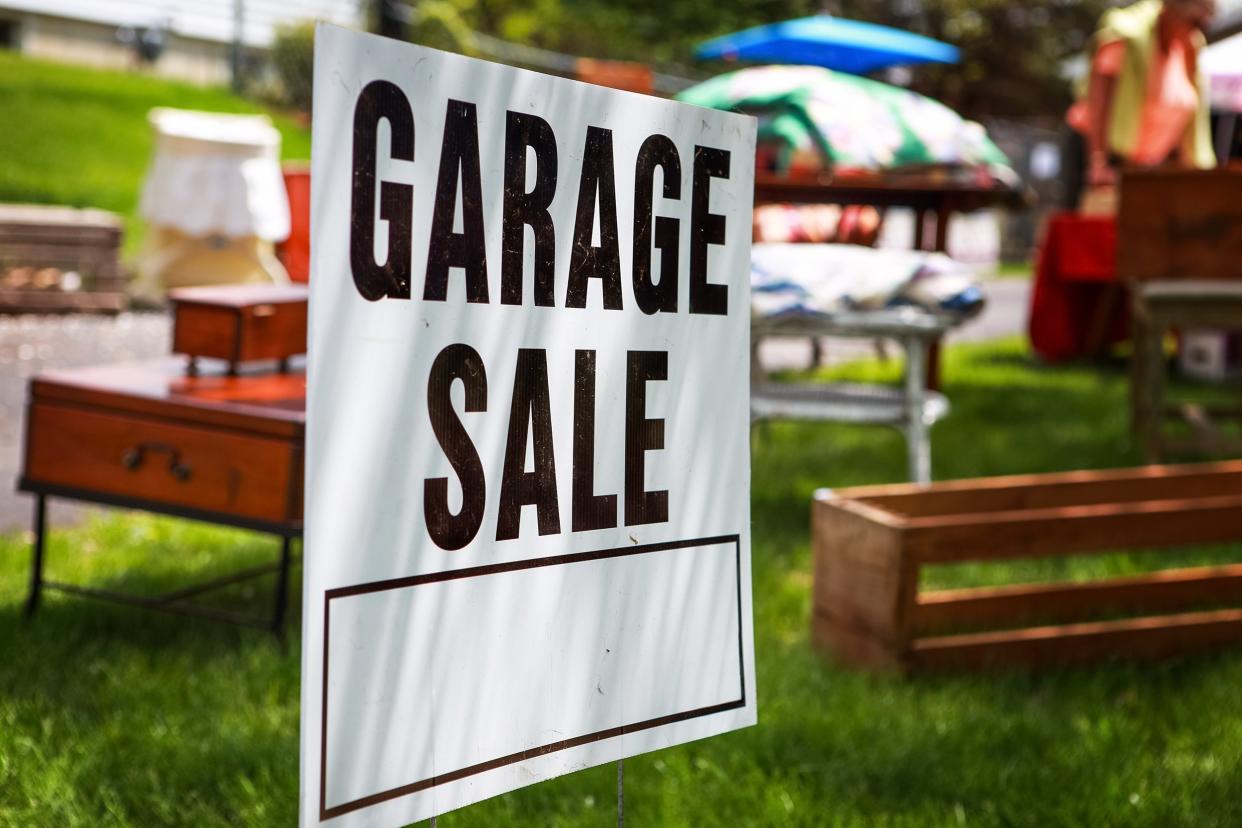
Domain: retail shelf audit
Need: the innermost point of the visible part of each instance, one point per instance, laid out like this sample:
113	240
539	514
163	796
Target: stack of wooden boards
59	259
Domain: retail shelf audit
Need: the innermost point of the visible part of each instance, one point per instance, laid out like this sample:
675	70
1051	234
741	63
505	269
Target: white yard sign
527	503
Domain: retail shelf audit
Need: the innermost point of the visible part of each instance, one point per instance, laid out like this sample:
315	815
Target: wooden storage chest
240	323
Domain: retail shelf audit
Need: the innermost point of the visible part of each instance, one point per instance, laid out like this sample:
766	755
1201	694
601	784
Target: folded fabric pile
817	223
822	279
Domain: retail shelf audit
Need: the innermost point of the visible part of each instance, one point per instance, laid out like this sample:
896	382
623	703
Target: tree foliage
1012	52
293	59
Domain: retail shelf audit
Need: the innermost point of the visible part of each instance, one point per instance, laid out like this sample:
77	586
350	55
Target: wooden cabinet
215	447
225	448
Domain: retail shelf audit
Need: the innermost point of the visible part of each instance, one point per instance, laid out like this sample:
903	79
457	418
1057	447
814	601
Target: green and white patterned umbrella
816	117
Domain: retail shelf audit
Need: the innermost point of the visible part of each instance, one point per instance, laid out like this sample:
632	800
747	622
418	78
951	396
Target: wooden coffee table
216	448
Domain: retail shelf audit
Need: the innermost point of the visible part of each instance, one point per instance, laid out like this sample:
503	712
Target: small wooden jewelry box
239	323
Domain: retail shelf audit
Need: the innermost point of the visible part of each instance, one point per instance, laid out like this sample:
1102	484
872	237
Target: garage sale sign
527	502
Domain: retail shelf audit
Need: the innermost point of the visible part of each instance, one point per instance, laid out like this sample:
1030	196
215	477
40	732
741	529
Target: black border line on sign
326	813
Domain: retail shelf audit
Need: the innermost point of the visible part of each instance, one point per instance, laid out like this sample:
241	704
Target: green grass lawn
80	136
1013	270
111	716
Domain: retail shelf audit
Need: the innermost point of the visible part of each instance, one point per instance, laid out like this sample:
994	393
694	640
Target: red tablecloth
1075	272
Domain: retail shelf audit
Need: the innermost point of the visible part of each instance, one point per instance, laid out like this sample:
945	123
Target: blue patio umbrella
823	40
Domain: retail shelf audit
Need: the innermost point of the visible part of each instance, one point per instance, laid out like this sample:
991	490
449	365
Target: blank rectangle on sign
519	652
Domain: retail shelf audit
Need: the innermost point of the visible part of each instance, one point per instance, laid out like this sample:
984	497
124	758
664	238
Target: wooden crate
59	259
870	543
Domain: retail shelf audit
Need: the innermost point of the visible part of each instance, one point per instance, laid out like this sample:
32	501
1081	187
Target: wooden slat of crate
1169	590
57	247
56	215
70	232
54	250
862	586
1152	637
1101	527
58	301
66	238
100	269
1035	491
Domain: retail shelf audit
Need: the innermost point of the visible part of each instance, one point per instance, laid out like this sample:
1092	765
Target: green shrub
293	57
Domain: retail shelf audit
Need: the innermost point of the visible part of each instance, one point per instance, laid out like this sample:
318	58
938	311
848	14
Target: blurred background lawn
80	137
110	716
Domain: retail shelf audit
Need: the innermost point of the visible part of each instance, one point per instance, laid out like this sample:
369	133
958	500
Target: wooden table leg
1138	368
1101	316
942	229
36	562
1147	381
282	587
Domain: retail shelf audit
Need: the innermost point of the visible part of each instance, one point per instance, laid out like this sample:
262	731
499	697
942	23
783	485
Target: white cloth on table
216	174
830	278
1222	63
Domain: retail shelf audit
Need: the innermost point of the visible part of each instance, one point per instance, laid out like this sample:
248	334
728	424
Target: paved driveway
30	344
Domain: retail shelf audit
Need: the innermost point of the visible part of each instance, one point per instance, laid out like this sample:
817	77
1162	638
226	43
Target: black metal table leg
282	587
36	561
178	600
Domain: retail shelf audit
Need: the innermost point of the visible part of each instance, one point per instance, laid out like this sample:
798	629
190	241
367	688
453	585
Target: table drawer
186	466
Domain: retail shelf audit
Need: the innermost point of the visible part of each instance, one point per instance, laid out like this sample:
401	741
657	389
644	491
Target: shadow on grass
128	716
165	561
1111	744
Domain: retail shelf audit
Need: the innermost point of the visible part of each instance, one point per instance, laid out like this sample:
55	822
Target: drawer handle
136	456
